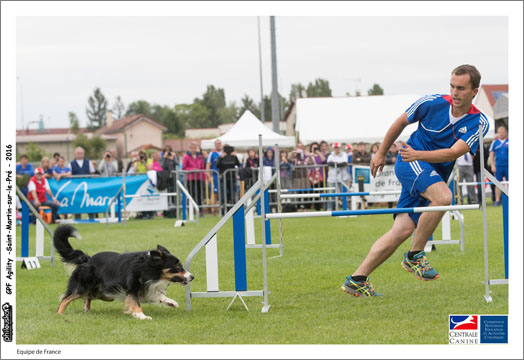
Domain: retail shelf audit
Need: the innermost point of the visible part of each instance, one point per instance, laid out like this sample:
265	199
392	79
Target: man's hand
36	203
408	153
377	163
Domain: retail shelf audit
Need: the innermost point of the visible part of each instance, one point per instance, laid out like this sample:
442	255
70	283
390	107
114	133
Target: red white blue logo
463	322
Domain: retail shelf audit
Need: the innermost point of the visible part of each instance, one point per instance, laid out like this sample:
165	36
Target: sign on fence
385	181
92	194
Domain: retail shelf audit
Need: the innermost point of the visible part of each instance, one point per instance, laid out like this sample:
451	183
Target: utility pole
262	110
274	94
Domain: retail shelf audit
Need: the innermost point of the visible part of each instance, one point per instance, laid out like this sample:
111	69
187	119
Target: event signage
81	195
384	181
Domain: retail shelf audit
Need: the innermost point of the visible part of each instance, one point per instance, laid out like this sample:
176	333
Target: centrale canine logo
464	322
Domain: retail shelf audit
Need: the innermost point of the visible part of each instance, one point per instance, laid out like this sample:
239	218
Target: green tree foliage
297	91
93	147
376	90
246	103
213	99
139	107
34	152
228	114
74	123
96	110
319	88
118	108
168	117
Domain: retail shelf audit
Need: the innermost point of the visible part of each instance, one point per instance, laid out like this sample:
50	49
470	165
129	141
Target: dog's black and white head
170	265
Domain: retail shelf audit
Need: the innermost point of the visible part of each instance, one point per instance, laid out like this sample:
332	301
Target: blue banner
91	194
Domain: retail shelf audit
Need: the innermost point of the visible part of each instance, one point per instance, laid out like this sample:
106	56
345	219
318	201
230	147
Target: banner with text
384	181
93	194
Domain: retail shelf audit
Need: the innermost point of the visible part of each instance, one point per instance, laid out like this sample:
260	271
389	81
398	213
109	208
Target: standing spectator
374	149
81	166
54	161
107	166
44	164
37	189
193	162
156	161
24	167
60	170
349	151
142	164
298	157
130	165
119	165
465	174
337	162
247	174
269	157
391	155
316	175
212	171
286	169
360	156
324	148
168	155
228	161
498	156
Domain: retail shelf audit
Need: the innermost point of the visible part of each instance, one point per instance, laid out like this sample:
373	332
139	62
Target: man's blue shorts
415	177
502	172
215	182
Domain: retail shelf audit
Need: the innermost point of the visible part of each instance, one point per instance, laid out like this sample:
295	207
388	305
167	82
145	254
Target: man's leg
386	245
439	195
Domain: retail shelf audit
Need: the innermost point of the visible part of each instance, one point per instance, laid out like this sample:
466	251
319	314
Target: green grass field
307	305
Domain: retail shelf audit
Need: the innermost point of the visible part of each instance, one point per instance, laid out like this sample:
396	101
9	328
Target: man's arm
436	156
492	161
379	160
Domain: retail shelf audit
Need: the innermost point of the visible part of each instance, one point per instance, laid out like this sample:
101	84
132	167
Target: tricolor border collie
135	277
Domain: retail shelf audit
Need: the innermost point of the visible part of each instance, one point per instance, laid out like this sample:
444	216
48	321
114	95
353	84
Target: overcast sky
171	60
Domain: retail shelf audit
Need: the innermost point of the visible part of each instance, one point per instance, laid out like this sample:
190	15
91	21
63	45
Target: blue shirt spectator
24	167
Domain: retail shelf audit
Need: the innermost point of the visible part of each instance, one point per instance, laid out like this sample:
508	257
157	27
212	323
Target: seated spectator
24	167
37	189
107	166
60	170
119	165
156	162
360	156
142	164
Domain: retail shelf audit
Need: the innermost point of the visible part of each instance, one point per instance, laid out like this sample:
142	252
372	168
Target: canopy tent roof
500	110
353	119
244	134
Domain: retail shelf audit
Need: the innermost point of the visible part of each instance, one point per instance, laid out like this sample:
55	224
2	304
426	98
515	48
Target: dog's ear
162	249
156	255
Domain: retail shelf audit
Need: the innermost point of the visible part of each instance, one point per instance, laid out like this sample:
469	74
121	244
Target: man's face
337	150
461	91
362	148
61	162
113	153
79	154
501	132
39	176
23	161
218	145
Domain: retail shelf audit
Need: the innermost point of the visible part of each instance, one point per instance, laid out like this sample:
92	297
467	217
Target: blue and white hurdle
259	191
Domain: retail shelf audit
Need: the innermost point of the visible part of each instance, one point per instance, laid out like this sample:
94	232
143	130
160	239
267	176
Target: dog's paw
142	316
171	303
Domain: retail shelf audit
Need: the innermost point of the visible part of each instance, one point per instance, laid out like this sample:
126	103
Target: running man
448	128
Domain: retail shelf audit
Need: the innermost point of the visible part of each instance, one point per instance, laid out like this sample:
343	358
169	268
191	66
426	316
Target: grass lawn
307	305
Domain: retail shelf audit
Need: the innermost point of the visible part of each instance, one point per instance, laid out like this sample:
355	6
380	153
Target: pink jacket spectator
190	163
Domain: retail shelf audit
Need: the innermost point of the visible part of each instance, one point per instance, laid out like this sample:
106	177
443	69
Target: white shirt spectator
341	172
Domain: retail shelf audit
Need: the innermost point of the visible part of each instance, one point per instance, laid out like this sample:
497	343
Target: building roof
494	91
47	138
50	131
121	124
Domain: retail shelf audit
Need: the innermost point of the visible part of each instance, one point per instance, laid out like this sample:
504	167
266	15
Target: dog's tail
64	248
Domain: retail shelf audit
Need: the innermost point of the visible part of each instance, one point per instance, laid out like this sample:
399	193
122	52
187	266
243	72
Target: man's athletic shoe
363	288
420	267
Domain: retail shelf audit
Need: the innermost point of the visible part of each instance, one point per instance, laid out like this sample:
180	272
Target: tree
34	152
297	91
74	124
320	88
139	107
228	114
248	104
168	117
96	110
93	148
213	99
376	90
118	107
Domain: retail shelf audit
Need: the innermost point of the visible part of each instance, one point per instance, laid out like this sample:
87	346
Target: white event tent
244	134
353	119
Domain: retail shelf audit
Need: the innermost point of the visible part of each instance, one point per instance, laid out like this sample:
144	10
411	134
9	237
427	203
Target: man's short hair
24	156
474	74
